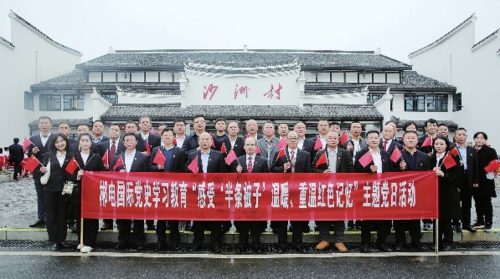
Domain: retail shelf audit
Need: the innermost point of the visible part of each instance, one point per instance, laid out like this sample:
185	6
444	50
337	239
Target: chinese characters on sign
210	90
269	94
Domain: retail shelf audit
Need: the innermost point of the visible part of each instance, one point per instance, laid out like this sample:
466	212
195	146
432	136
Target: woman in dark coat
449	198
55	205
486	186
88	161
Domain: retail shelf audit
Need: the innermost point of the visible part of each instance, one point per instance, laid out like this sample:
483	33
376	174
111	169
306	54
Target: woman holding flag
55	207
447	169
86	160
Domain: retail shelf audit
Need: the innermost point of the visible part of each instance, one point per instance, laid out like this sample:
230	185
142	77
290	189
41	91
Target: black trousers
55	210
383	230
297	229
17	169
161	234
255	228
90	226
484	210
412	226
216	232
124	235
466	199
445	232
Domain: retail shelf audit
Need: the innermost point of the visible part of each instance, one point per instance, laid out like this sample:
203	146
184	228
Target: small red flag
282	143
396	154
231	156
448	161
174	142
344	138
257	149
493	167
454	151
72	166
118	164
153	131
366	159
213	141
26	144
31	163
148	149
223	149
281	153
321	160
159	158
193	166
427	142
318	144
105	158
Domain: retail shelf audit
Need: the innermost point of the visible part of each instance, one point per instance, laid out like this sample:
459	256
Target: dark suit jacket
302	162
259	164
153	141
94	163
472	165
215	161
449	198
393	145
362	145
344	161
425	149
37	141
177	163
486	187
16	153
422	159
190	143
238	146
58	175
140	163
387	165
104	138
309	146
102	147
219	140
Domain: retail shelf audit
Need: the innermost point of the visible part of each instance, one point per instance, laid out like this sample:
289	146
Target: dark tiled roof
412	81
486	40
308	59
163	112
462	25
6	43
421	123
55	122
42	35
76	80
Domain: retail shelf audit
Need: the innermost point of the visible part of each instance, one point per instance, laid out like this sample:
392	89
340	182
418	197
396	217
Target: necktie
292	160
112	152
385	145
249	165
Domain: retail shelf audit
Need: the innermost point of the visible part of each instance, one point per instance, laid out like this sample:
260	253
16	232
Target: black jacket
58	174
215	161
387	165
177	163
259	164
44	149
16	153
302	162
344	162
486	186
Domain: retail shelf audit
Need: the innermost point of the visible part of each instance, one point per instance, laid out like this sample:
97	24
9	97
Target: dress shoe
399	247
106	227
341	247
469	228
457	228
38	224
161	247
281	248
383	247
445	247
55	247
322	245
196	248
174	247
364	248
300	248
216	249
256	248
121	247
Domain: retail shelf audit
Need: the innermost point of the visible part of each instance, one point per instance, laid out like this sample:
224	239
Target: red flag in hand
193	166
366	159
26	144
396	154
448	161
454	151
119	163
159	158
72	166
282	143
31	163
257	149
493	167
105	158
223	149
174	142
427	142
281	154
321	160
344	138
318	144
148	149
231	156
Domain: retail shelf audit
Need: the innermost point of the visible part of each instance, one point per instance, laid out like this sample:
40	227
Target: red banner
269	196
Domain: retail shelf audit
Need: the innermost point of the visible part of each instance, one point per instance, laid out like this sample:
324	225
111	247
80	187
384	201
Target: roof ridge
446	36
485	41
249	50
42	35
6	43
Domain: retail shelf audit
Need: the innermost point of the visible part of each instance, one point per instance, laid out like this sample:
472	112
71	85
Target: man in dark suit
114	146
356	142
304	143
469	178
380	163
411	160
295	161
175	161
232	141
338	161
133	161
191	141
98	131
209	161
250	163
40	147
387	142
16	157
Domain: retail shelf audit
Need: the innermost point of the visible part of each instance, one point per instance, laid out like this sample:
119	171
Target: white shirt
180	141
85	157
301	143
387	144
253	160
323	141
129	159
45	139
60	158
438	158
377	160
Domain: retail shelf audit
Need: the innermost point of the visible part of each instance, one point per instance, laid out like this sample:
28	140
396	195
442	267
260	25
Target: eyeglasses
294	138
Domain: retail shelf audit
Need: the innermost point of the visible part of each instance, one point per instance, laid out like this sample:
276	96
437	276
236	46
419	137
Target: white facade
474	69
34	57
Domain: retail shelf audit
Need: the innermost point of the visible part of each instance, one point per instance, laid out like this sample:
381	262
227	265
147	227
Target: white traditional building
474	68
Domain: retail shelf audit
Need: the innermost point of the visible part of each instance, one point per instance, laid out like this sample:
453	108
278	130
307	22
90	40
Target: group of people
258	153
